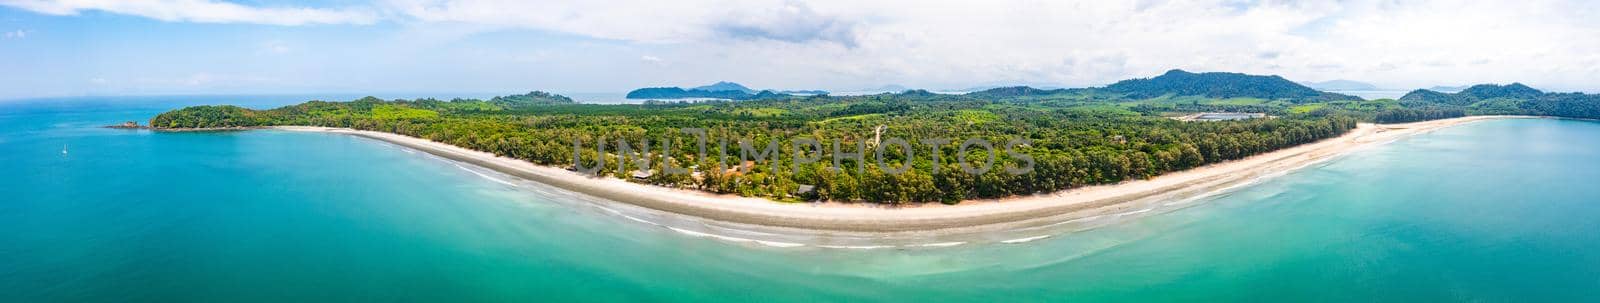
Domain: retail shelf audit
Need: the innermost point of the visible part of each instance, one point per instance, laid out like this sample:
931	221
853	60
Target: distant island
719	90
810	92
722	86
891	88
1342	85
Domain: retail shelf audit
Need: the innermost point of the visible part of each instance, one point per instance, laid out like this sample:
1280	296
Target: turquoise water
1493	211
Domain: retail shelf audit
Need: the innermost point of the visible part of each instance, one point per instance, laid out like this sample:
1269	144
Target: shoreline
969	216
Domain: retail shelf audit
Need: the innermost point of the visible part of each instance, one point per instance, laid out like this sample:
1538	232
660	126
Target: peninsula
1090	151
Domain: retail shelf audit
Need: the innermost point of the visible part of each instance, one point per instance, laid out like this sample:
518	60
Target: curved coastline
971	216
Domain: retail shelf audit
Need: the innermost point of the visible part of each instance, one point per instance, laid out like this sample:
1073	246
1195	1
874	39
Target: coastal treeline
1403	115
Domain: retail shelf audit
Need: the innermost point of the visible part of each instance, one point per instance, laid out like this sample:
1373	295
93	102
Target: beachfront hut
807	192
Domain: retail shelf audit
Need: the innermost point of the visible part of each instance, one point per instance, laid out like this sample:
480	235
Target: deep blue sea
1497	211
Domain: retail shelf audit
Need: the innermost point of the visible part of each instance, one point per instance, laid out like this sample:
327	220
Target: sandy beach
969	216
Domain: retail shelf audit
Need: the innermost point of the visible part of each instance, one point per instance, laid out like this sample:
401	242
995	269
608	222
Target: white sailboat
63	150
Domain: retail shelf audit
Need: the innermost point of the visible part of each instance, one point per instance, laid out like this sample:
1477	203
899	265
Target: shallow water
1491	211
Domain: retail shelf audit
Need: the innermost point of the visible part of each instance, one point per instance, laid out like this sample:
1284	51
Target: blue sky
145	47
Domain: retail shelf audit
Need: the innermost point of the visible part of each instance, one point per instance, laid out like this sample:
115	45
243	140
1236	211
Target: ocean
1501	210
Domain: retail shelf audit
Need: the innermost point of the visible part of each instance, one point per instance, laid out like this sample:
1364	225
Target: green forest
1075	137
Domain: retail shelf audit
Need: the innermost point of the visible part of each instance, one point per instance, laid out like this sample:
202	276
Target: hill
1489	91
530	99
1515	98
1221	85
1014	91
1429	96
804	92
1473	94
723	86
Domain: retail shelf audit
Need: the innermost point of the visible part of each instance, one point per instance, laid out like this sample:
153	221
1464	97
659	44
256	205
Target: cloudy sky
117	47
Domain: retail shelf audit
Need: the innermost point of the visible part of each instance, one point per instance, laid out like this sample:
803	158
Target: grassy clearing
850	118
1306	108
393	112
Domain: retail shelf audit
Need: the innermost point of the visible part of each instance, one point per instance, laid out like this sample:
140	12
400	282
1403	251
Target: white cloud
274	47
196	80
789	22
843	44
615	20
201	11
953	43
643	21
16	34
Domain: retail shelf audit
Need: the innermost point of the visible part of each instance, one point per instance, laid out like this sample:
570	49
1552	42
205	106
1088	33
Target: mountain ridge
1221	85
722	86
1178	82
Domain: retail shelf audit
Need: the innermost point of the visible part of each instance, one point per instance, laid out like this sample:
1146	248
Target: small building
806	192
1228	116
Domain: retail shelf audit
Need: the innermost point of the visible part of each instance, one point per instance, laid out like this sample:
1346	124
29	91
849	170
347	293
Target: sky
152	47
